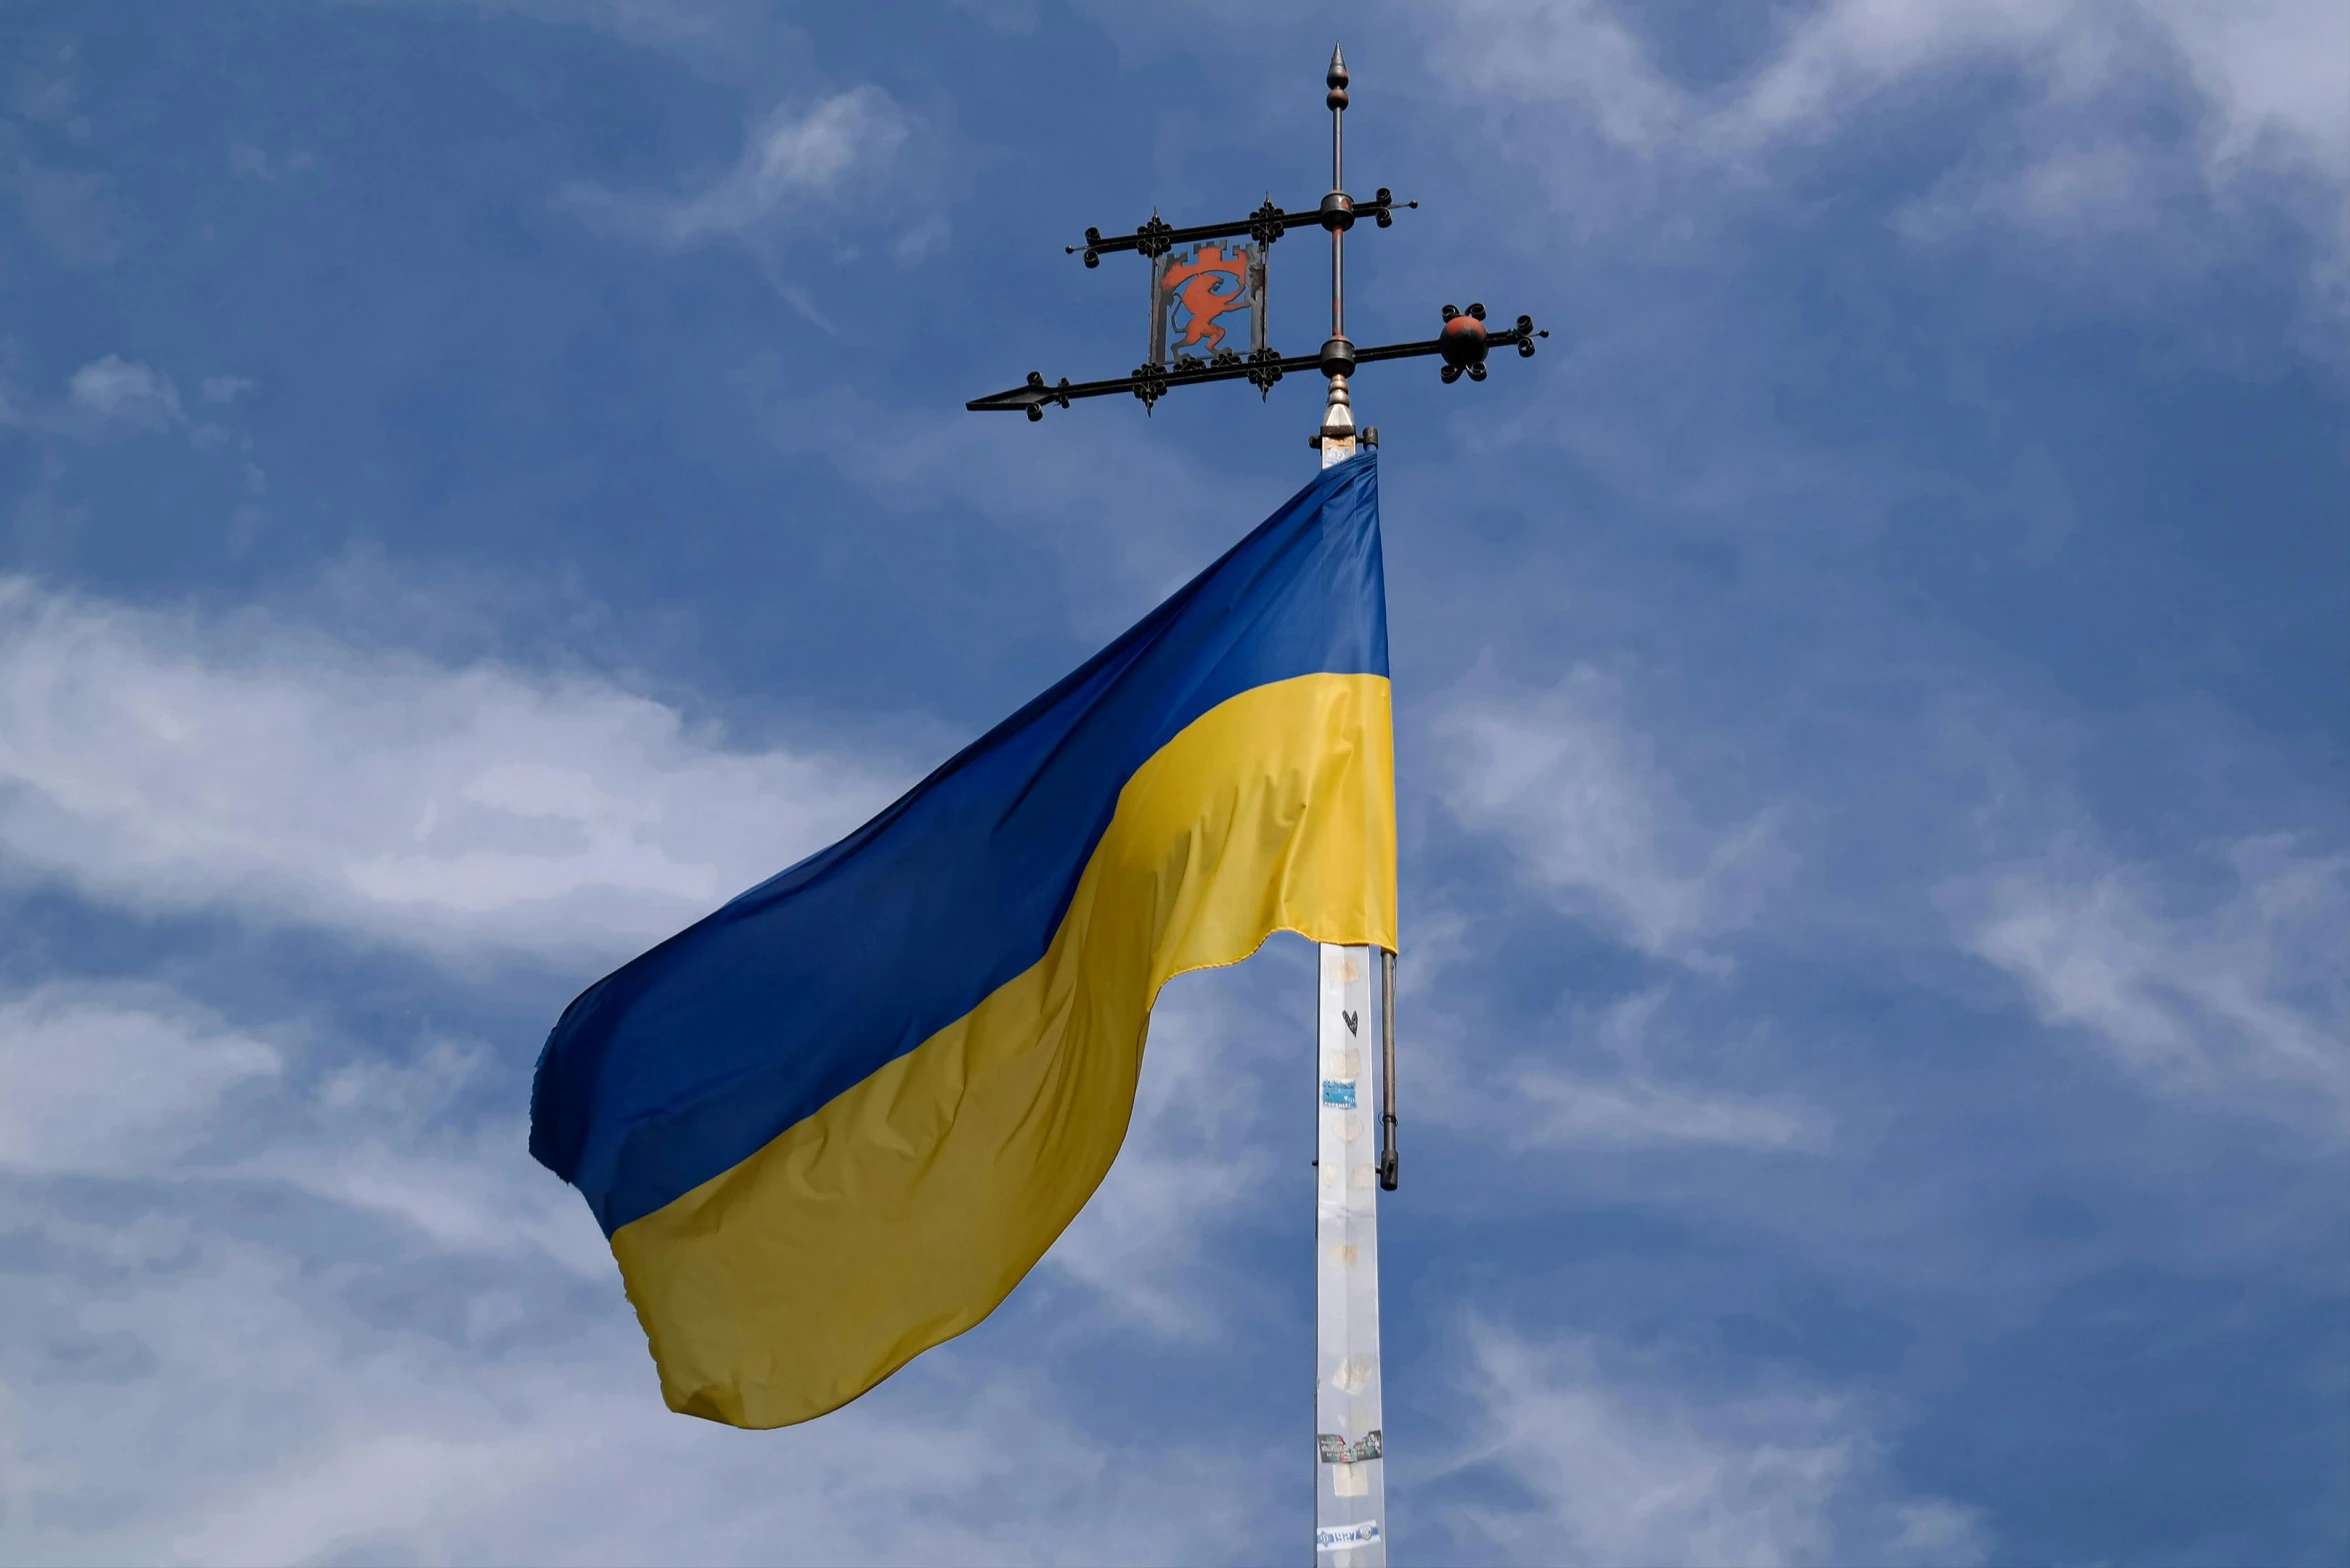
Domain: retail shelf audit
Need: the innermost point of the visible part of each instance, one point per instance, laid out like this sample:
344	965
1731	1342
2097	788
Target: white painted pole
1350	1473
1350	1486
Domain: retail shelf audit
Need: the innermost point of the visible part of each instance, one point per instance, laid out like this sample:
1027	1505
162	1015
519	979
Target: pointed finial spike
1336	79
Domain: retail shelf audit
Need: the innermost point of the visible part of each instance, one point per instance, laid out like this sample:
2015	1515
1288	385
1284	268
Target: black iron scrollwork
1036	394
1150	383
1267	223
1264	368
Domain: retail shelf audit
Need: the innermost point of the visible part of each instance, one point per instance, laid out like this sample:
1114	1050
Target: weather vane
1192	294
1201	279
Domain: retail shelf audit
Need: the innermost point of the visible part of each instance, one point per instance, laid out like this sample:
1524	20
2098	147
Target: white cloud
127	1079
723	40
2271	72
1568	1110
95	1082
789	160
813	150
2100	188
224	389
2243	1004
2082	163
432	1373
268	1421
1622	1466
1615	1077
120	391
1577	51
161	762
2268	71
1050	495
474	1195
1194	1156
1571	788
390	1139
1618	1098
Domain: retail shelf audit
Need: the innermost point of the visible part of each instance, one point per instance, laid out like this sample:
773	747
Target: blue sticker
1338	1094
1340	1537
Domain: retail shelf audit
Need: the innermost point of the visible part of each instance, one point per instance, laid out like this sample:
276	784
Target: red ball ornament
1463	342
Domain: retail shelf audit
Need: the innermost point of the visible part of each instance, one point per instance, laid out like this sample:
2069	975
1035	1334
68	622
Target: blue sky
482	483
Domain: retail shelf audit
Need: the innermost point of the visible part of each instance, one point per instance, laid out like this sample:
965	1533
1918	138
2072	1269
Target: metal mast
1350	1481
1338	216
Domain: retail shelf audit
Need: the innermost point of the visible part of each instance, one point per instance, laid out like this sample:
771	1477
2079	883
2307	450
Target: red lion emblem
1193	283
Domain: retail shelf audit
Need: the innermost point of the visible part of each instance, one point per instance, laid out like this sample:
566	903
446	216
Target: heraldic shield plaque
1207	305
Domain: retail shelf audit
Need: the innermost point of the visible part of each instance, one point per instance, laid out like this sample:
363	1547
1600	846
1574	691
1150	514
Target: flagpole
1350	1526
1350	1488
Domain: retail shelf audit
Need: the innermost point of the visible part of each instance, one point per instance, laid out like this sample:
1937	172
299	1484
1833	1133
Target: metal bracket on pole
1390	1167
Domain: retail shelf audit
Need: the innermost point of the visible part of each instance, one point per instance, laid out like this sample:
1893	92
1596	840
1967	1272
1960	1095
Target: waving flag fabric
834	1123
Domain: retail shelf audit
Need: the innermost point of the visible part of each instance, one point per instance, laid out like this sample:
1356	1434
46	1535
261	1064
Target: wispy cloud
2090	163
73	213
129	1080
2265	71
1621	1463
398	1140
115	1080
399	1338
2262	68
2242	1002
1592	820
1194	1157
224	1407
114	390
224	389
158	761
1049	496
791	160
1601	1087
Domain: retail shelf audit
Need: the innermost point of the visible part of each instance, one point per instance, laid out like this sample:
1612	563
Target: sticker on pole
1339	1537
1339	1094
1333	1449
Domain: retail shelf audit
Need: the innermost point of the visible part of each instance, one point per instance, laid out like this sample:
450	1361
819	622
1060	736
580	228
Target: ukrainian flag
834	1123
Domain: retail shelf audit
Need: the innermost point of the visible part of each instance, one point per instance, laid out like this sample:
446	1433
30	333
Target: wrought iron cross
1463	342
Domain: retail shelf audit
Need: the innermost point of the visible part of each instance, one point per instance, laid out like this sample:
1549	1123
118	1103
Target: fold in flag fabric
835	1122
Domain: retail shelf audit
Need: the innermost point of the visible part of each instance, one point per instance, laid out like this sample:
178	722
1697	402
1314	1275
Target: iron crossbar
1265	225
1151	382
